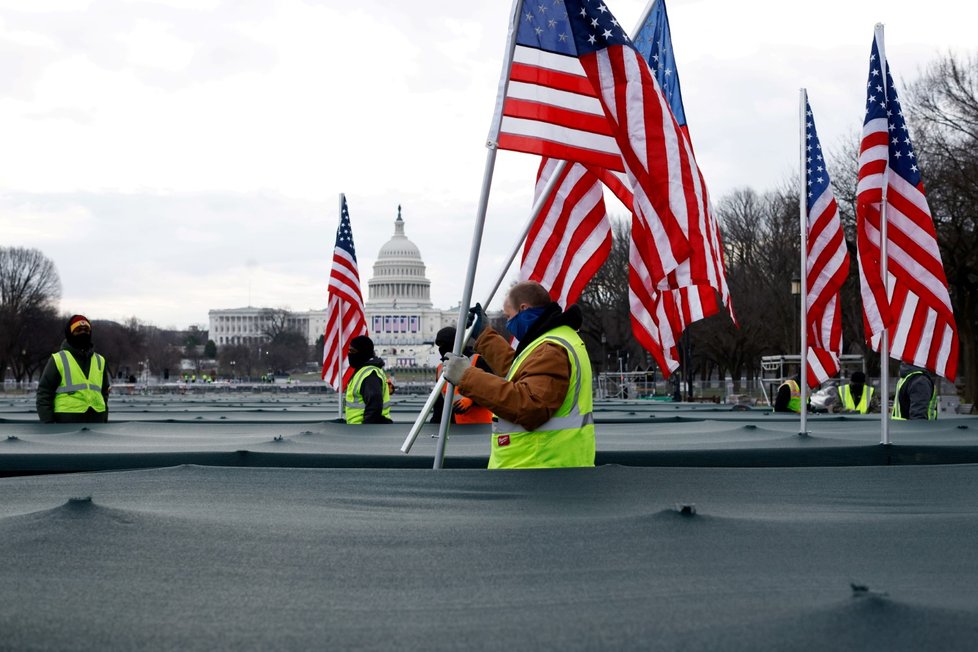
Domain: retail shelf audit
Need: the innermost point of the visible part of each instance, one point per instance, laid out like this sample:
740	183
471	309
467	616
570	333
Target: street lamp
795	285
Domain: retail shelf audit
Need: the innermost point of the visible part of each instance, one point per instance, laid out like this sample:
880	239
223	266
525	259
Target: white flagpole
645	16
884	271
480	222
803	210
339	344
534	213
339	364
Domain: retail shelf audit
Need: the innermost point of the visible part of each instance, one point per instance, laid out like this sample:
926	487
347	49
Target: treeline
32	328
761	241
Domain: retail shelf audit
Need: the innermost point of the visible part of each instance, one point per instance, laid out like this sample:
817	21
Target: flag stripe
914	301
345	317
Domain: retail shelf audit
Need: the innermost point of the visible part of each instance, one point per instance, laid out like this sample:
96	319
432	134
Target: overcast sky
176	156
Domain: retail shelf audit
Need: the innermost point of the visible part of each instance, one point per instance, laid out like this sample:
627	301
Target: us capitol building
400	318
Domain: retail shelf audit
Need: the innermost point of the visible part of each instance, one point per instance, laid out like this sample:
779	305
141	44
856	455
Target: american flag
661	304
344	310
828	262
915	307
571	238
690	292
578	90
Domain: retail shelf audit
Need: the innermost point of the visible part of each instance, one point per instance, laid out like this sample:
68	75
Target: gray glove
454	367
476	320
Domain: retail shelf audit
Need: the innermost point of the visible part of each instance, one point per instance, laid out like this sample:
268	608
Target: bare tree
607	329
41	336
162	351
761	250
122	345
943	107
237	361
29	287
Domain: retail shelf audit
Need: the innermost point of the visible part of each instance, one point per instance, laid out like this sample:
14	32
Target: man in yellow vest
788	398
855	398
916	394
542	401
368	396
74	386
464	409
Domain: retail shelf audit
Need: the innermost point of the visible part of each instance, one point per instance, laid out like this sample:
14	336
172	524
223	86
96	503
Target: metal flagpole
538	206
534	213
339	344
480	220
803	210
884	272
339	364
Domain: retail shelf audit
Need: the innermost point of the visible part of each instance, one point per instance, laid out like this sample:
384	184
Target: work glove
476	320
461	405
454	367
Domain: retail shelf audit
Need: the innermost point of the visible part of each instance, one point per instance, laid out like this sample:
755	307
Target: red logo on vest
502	440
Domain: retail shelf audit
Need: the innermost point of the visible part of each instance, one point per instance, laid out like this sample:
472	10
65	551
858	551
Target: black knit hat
446	338
363	345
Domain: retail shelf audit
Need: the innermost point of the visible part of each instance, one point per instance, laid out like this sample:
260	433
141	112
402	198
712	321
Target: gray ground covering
819	542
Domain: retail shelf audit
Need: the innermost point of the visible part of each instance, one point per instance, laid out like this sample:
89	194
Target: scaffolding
775	369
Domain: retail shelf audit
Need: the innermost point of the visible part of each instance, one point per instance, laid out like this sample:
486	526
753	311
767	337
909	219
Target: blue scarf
521	322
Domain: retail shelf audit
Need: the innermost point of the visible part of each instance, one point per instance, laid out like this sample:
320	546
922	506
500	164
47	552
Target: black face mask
80	341
357	359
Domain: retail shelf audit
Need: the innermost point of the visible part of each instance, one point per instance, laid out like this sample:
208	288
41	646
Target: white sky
176	156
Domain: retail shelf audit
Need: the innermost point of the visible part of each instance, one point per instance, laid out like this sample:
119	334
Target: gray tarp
234	558
228	557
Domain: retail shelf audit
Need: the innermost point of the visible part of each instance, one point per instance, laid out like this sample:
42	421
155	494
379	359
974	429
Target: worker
74	386
789	396
367	394
856	397
916	394
464	409
542	399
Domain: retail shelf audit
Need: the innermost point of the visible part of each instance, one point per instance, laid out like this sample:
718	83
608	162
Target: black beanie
445	339
362	345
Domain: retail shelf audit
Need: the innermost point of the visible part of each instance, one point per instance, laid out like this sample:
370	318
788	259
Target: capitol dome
399	274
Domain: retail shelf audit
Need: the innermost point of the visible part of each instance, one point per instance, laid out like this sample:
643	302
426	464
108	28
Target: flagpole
645	15
339	364
884	271
339	342
480	221
803	211
534	213
538	206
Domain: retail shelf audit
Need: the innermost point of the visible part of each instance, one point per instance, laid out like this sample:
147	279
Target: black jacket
916	392
372	391
50	380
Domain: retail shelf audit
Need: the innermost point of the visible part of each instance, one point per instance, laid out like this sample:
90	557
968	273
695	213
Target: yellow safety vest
78	392
897	413
794	404
567	439
845	395
355	407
